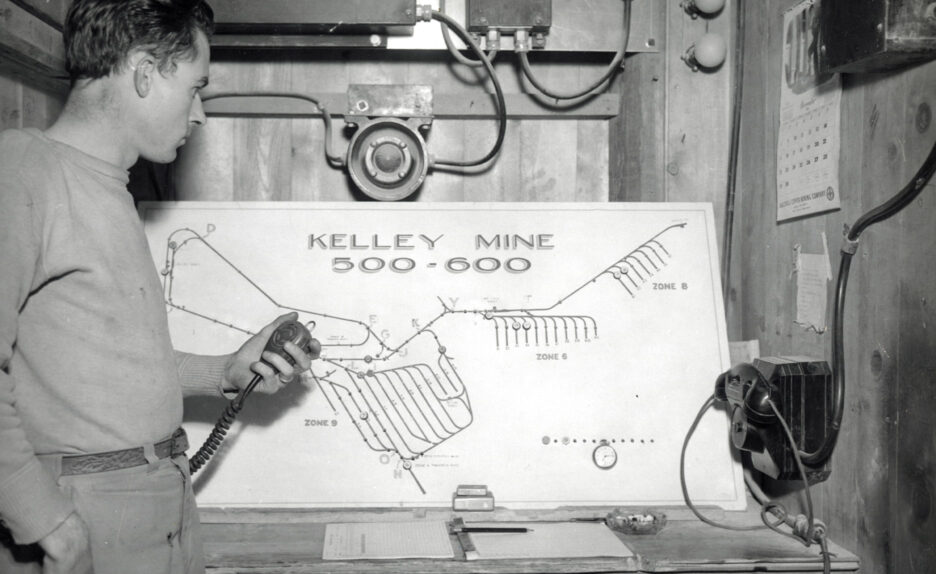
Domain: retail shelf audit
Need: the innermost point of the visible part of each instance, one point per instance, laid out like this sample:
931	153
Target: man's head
145	60
100	35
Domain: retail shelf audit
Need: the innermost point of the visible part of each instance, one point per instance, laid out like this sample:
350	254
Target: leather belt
175	445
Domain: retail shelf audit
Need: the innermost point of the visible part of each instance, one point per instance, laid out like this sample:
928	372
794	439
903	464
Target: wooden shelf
292	542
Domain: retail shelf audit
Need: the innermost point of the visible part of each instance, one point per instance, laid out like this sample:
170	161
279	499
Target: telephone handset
292	331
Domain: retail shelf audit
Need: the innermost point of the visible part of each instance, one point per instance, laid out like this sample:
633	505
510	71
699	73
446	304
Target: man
92	476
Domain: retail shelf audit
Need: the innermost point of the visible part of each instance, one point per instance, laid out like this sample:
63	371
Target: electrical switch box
534	15
875	35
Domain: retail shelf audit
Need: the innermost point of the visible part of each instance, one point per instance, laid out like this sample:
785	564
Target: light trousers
143	520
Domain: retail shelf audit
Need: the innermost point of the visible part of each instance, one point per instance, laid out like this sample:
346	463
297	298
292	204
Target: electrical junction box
875	35
534	15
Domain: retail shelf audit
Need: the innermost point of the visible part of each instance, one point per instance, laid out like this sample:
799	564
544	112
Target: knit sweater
86	362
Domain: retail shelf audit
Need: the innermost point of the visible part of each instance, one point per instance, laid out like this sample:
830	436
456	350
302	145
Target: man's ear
143	74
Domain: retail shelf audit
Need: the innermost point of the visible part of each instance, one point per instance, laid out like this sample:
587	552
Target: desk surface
287	544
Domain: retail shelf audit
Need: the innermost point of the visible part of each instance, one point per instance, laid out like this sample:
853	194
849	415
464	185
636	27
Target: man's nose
197	113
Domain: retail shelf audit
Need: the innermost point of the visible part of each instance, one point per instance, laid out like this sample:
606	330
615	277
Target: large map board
463	343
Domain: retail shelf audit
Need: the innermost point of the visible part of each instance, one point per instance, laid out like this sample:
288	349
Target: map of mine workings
554	352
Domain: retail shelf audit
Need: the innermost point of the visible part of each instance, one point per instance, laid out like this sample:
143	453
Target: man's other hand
67	548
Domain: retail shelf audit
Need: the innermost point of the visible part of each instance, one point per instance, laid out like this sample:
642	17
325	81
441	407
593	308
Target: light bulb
695	8
710	50
709	6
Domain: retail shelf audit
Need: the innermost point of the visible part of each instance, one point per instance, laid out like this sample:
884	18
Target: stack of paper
387	540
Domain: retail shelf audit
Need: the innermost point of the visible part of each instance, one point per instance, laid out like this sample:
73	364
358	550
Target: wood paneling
25	105
878	500
671	140
50	11
30	48
636	145
544	158
698	110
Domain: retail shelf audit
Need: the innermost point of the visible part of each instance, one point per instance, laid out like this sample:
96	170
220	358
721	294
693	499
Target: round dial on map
604	455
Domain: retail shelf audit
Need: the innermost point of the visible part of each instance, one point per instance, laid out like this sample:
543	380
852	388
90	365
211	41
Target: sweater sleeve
31	503
201	374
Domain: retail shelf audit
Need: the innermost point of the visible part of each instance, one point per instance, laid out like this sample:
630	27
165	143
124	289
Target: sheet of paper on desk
549	540
387	540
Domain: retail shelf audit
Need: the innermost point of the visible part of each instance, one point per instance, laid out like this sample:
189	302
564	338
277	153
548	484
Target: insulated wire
216	437
682	475
337	161
901	200
612	68
728	238
492	52
813	533
891	207
799	466
498	92
340	162
766	506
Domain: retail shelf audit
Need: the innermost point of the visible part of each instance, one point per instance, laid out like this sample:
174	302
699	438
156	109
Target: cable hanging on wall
802	528
522	48
493	40
465	37
333	159
753	393
886	210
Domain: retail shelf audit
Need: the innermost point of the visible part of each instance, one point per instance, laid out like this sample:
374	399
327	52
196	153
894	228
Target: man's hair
100	34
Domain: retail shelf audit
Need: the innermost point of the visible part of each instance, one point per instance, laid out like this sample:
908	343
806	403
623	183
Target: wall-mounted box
314	16
535	15
875	35
568	25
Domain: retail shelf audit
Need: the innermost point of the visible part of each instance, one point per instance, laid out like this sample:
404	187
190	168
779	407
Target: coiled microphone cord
214	440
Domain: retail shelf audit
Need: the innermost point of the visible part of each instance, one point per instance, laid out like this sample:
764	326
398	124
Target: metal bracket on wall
445	106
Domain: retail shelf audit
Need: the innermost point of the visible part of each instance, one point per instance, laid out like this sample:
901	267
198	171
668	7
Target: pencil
495	529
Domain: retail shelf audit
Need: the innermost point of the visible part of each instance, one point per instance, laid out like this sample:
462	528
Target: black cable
613	67
888	209
498	92
450	46
216	437
340	161
337	161
901	200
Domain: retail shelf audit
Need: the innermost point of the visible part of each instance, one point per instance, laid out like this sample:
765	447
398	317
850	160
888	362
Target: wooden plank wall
24	105
283	158
879	499
671	140
30	53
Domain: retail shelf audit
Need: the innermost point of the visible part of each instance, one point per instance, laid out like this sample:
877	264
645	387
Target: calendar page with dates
808	142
